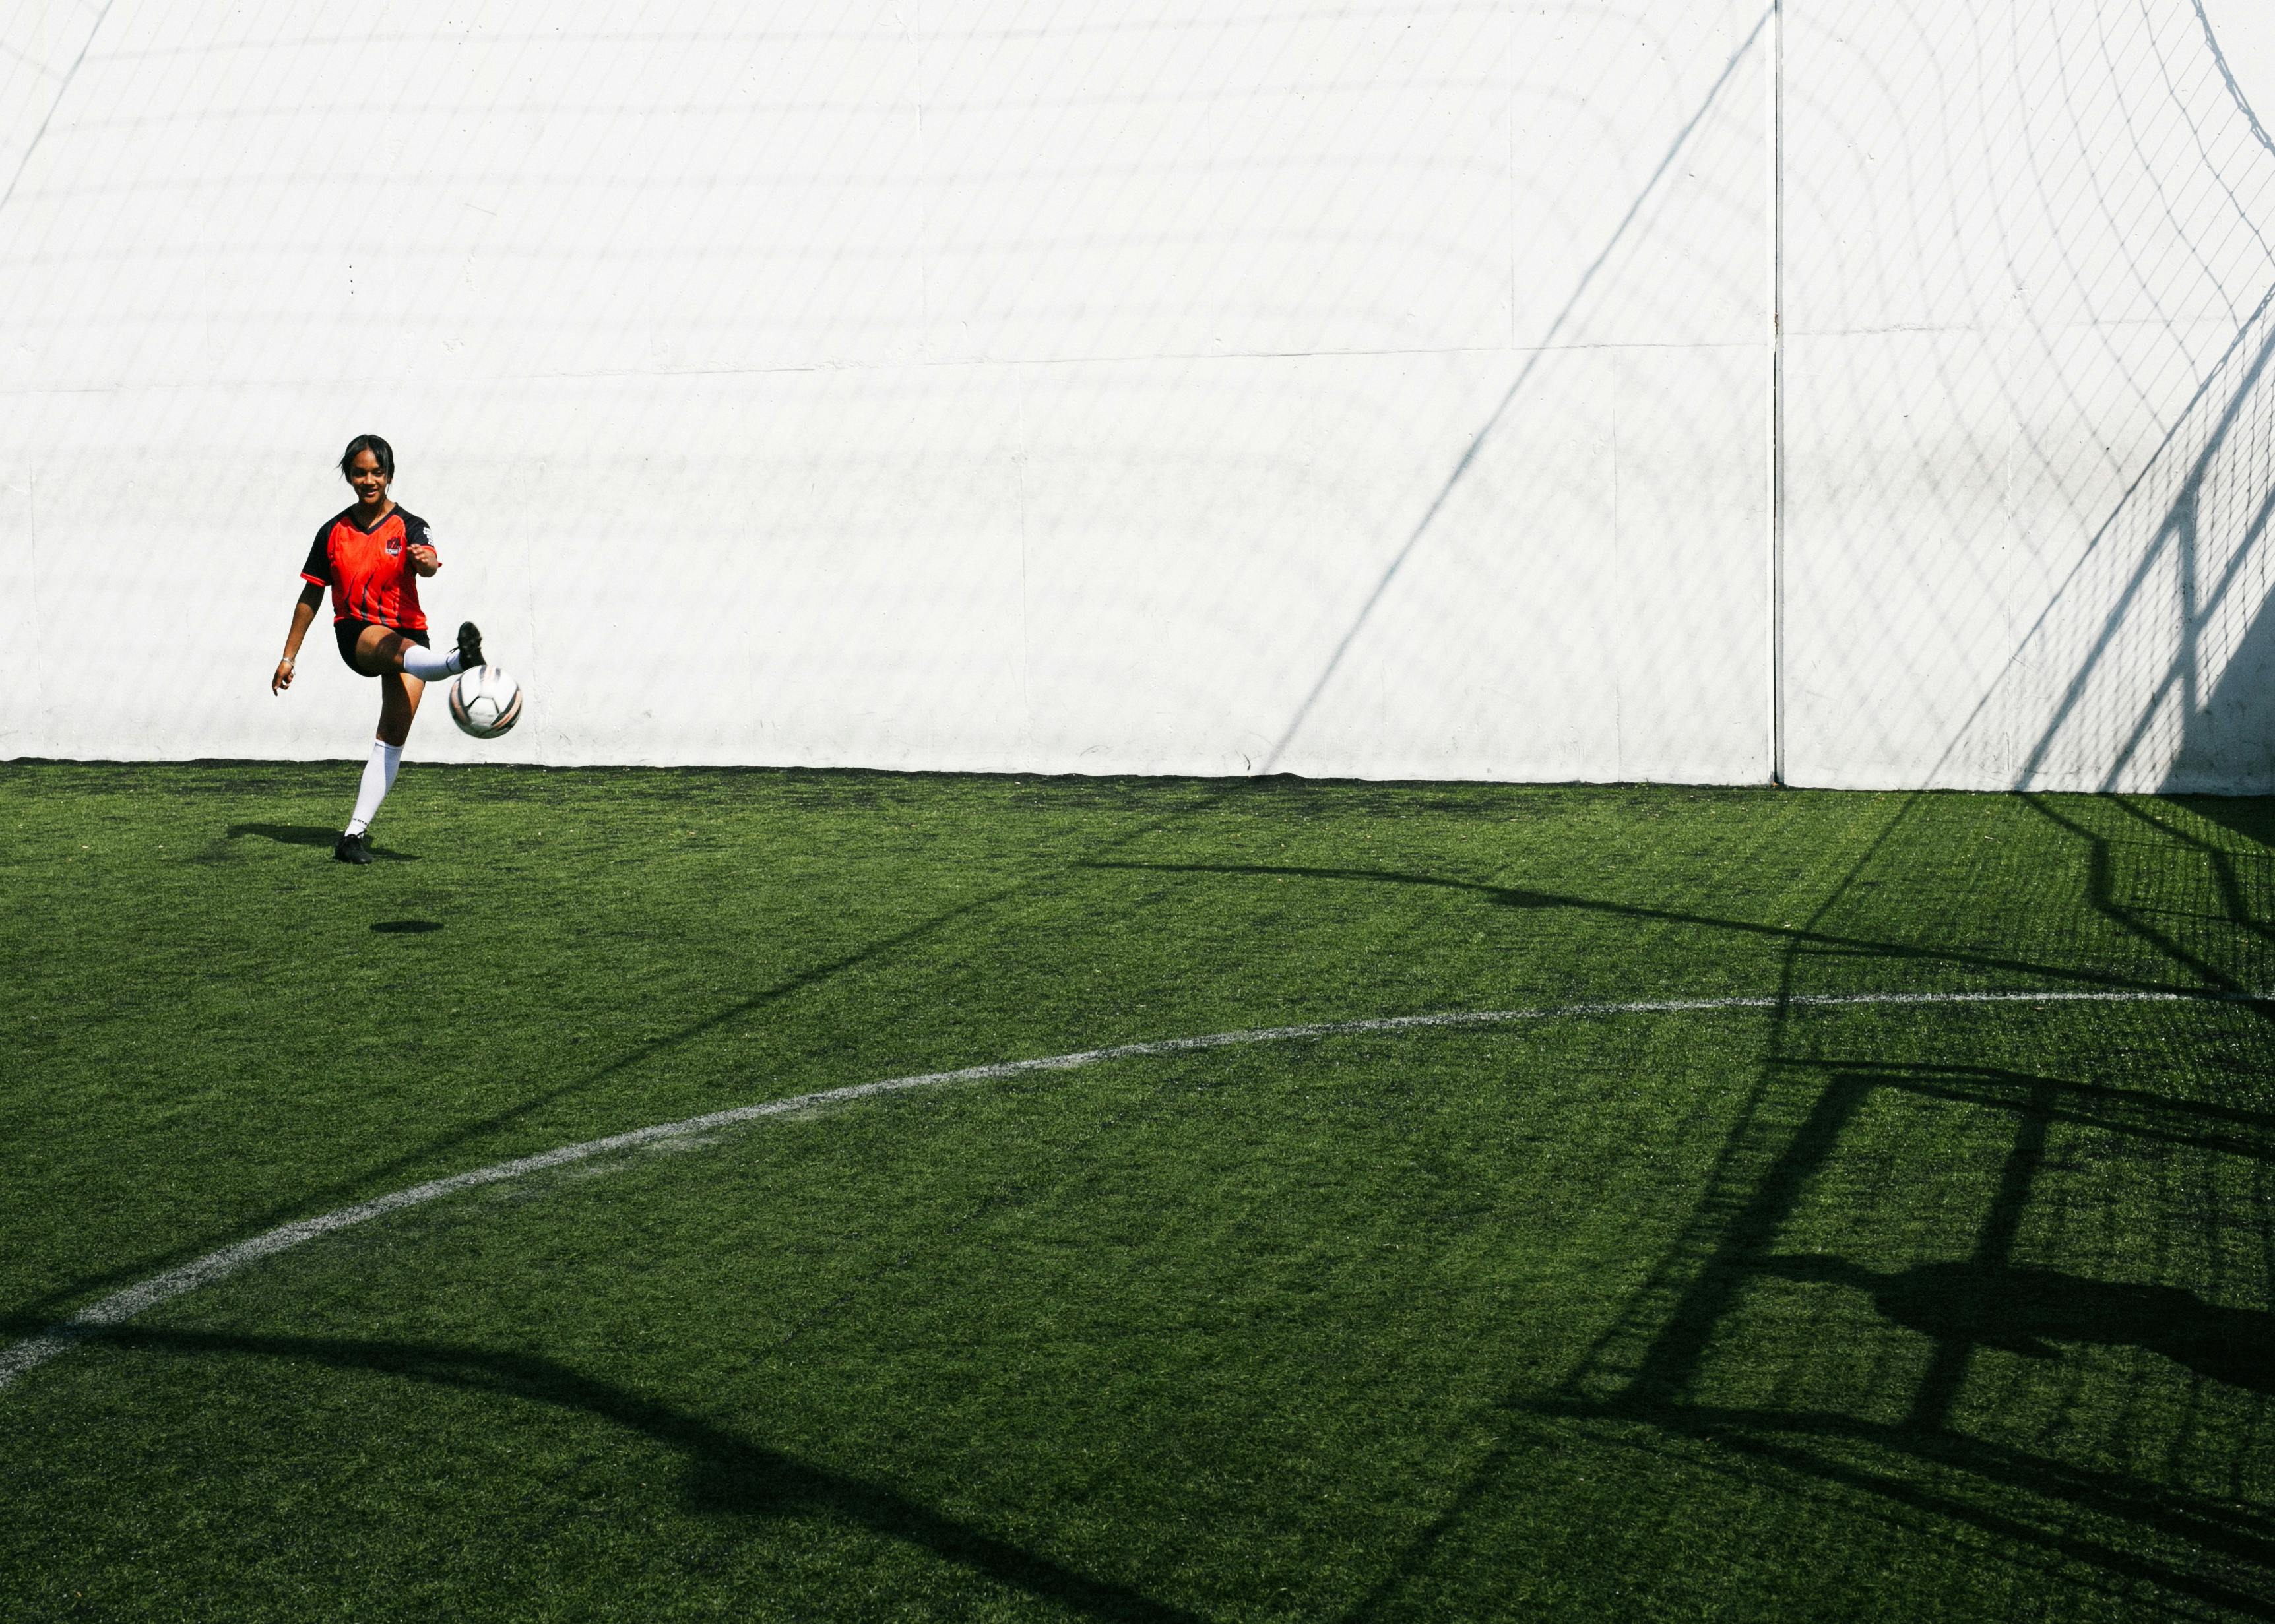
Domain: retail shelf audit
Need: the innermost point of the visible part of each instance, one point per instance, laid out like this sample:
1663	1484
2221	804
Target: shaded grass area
1944	1312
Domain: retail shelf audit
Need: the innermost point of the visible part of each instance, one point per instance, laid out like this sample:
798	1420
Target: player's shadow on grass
2027	1310
726	1476
307	834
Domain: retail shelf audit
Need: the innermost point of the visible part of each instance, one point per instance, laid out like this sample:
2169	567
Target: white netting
1201	386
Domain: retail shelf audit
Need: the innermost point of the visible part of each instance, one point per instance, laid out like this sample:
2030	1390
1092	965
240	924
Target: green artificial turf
1918	1310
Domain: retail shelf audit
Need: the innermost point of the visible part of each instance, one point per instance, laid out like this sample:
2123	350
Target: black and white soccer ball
484	702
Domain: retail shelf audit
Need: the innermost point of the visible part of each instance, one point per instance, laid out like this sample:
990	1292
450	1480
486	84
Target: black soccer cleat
470	646
352	849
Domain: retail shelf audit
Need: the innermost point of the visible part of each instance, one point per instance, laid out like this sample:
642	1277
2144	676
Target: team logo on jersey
394	546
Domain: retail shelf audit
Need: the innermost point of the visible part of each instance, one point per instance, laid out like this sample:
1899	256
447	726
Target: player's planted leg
378	779
398	705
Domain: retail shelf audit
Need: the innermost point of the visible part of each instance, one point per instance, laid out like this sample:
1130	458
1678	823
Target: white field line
122	1305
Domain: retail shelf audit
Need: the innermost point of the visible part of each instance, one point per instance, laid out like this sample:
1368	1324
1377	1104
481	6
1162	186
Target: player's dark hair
373	444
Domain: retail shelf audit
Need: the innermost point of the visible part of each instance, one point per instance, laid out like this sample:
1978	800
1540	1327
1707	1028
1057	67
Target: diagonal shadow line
2114	623
1797	936
727	1476
2179	524
344	1189
1540	348
61	90
1670	1363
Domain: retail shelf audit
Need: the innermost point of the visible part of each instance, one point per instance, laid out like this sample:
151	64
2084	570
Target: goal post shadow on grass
1998	1303
1638	1387
425	1153
1927	1460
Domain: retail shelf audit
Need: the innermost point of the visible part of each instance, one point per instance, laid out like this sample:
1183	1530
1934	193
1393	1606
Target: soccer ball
484	702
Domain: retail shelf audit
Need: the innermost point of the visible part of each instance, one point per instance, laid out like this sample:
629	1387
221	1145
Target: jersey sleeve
417	533
319	567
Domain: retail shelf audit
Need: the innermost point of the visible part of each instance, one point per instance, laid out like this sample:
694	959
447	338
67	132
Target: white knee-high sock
428	665
378	779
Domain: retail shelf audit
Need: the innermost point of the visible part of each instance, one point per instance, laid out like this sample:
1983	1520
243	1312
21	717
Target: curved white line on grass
121	1306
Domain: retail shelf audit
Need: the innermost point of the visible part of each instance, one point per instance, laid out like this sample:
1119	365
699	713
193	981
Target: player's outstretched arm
303	613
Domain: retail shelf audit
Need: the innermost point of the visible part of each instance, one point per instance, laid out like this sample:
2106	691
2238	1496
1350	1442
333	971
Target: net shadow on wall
2027	249
2175	683
2189	538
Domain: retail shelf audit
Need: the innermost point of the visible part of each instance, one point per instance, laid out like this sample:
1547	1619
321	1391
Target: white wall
1201	386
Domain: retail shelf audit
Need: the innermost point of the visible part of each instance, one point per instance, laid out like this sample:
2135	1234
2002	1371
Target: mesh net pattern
1190	388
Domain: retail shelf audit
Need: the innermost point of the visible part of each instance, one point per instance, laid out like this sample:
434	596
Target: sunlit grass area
1943	1304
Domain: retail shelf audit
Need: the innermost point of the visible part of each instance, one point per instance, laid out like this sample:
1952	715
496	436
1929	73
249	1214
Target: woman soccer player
372	556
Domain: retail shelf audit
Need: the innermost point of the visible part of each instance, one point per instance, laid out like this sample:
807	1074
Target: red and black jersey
369	570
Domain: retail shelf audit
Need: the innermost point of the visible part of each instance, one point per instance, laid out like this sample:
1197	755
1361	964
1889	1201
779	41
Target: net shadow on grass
1797	937
2252	818
2027	1310
1900	1435
2126	1527
2102	889
727	1477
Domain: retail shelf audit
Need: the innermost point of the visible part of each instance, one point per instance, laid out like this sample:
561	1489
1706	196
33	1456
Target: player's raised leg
381	649
403	665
